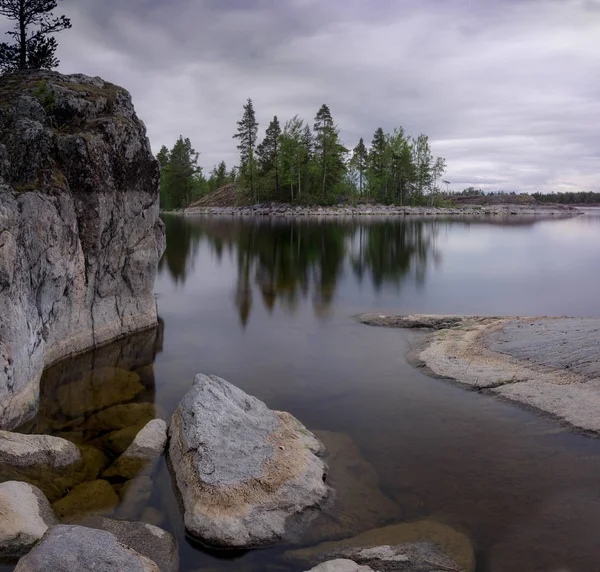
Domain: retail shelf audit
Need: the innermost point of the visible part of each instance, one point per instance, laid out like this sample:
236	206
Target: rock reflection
283	261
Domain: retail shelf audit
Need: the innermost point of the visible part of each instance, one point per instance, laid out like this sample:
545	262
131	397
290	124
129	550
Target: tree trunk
23	36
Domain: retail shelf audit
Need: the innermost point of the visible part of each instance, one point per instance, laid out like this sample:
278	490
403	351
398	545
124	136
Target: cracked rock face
80	236
247	476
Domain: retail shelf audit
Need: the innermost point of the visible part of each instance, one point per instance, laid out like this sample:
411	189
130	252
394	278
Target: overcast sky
507	90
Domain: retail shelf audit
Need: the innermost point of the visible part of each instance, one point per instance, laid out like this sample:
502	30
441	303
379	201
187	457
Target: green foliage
45	96
181	181
33	44
268	154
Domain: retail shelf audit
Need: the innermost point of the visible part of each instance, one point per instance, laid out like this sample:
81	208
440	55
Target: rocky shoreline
282	210
551	365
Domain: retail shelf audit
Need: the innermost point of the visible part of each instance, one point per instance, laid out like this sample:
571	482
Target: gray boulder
25	516
77	548
80	227
147	446
150	541
247	476
50	463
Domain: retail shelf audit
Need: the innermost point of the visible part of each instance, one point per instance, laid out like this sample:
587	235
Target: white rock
25	516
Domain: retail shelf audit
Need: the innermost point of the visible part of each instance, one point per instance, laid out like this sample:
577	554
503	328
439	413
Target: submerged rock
98	389
247	475
121	416
421	546
358	504
81	235
94	497
135	495
150	541
76	548
148	445
25	516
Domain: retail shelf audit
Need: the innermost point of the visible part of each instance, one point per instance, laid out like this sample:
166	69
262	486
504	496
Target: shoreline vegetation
547	364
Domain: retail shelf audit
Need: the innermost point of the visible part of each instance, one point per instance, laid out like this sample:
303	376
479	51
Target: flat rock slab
550	364
77	548
25	516
559	343
247	476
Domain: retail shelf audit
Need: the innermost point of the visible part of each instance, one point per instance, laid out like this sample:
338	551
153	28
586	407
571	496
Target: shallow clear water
268	305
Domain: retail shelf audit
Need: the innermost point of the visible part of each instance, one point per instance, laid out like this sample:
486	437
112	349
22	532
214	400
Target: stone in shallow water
359	504
77	549
247	475
150	541
94	497
118	441
121	416
98	389
135	495
417	546
25	516
149	444
50	463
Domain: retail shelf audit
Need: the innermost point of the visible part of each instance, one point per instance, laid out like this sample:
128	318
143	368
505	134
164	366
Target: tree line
573	198
307	164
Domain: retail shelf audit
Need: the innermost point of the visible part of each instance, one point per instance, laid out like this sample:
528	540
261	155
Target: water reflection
285	261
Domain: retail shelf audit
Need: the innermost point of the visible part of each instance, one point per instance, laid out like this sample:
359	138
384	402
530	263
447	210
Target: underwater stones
148	445
358	504
25	516
420	546
118	441
67	548
150	541
135	495
246	475
121	416
98	389
93	497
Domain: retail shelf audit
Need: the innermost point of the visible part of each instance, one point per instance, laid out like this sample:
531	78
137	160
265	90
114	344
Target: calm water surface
268	305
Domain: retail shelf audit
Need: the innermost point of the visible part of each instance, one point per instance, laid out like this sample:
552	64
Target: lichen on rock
80	235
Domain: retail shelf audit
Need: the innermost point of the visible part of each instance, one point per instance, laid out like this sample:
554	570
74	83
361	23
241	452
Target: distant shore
282	210
551	365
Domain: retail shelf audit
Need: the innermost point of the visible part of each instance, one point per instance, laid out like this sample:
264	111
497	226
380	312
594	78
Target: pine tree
32	49
359	162
329	153
247	134
181	177
378	164
268	152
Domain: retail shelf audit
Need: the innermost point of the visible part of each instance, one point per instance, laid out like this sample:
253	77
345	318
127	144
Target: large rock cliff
80	236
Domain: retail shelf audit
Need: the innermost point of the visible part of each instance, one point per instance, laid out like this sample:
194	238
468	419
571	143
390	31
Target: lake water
269	306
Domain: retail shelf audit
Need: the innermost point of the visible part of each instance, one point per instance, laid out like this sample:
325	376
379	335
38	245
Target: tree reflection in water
285	261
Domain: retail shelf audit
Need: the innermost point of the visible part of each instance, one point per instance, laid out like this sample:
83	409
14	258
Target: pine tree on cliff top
33	45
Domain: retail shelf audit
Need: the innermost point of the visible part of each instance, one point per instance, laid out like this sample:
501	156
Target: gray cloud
506	89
